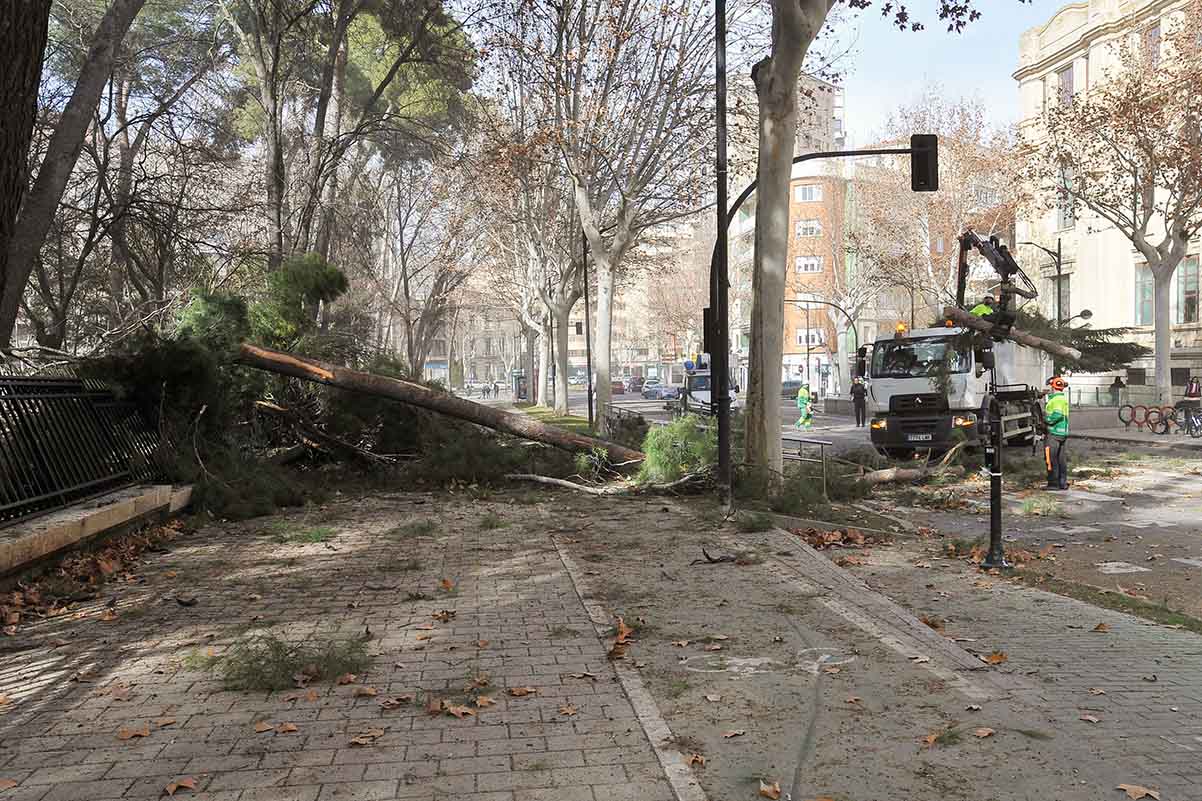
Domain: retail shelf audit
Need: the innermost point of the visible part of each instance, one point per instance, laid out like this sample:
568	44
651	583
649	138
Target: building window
1064	84
809	193
1062	297
1137	376
808	264
1179	376
1150	39
815	336
1187	291
808	228
1066	212
438	347
1143	295
487	346
580	329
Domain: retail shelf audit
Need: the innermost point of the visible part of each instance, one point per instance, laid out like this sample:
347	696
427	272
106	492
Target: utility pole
807	308
719	281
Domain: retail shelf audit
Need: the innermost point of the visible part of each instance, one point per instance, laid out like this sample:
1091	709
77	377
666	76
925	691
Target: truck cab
926	390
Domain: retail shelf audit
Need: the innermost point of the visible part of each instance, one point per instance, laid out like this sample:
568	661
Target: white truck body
910	410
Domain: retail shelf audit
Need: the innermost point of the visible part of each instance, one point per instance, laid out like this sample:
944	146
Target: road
836	429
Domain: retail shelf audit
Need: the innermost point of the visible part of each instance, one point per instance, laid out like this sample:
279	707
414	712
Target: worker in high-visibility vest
984	308
805	405
1055	452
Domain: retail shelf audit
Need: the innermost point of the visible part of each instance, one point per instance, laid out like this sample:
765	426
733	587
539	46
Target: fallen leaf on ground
129	734
918	660
1138	791
584	675
624	632
616	651
447	584
680	643
347	678
481	643
426	627
422	637
712	637
853	699
108	615
933	622
367	737
460	712
733	733
1089	718
1103	627
7	784
443	615
120	693
713	699
983	732
4	699
311	696
713	647
363	691
286	728
484	700
929	740
263	726
186	783
161	722
522	692
770	790
695	759
973	708
832	670
395	701
481	680
996	658
1096	691
433	706
1150	678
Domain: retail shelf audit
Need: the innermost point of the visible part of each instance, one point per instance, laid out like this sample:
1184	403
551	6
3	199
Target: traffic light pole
924	178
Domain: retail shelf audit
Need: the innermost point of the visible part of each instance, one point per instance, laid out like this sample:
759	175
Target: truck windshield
699	383
915	358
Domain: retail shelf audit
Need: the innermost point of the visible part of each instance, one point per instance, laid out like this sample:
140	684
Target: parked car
658	391
788	389
617	387
634	383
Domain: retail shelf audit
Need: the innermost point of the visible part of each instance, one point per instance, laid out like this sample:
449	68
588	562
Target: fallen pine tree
519	425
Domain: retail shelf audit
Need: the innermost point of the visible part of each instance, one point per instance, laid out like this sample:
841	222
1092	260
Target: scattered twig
711	560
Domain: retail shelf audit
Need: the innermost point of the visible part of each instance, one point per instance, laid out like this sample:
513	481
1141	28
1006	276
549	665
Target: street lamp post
1058	262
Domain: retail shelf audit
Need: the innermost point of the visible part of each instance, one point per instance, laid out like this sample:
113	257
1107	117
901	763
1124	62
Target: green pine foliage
681	447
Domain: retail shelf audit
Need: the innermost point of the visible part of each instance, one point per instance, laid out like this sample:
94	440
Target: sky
887	67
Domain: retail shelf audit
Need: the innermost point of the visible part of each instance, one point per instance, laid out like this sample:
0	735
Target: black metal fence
66	439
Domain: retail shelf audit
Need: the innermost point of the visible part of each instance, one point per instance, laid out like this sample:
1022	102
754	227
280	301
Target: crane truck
930	388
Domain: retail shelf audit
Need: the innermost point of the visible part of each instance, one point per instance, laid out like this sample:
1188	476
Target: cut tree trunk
603	341
1162	340
961	317
344	378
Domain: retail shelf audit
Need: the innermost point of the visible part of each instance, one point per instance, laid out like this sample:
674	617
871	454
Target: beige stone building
1101	271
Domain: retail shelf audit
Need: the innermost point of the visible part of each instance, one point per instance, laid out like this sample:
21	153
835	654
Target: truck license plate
918	437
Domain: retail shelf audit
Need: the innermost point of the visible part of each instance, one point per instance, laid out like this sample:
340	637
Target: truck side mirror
861	361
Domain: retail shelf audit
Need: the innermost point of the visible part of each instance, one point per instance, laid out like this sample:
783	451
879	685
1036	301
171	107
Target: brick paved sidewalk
518	621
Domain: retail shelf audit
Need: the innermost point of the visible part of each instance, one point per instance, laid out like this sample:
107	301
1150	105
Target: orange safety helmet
1057	383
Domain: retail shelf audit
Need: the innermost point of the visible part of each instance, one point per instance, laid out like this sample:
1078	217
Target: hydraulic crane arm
998	256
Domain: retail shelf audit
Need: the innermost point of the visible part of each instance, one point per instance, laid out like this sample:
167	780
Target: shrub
684	446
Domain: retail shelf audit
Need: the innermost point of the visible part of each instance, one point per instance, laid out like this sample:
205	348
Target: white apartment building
1102	271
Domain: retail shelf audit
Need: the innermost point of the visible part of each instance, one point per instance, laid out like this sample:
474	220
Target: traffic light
924	163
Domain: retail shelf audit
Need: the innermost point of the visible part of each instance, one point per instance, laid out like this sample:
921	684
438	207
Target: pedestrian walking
1055	452
484	391
496	390
859	399
805	406
1116	391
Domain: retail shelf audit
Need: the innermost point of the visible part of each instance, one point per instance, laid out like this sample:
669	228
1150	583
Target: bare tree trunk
325	230
603	341
531	334
519	425
23	31
795	23
961	317
276	175
1161	281
37	212
560	322
544	364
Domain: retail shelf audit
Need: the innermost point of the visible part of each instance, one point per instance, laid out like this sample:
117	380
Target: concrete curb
684	784
1169	442
27	543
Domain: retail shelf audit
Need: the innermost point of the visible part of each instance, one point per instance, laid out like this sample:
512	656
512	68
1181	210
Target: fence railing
66	439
